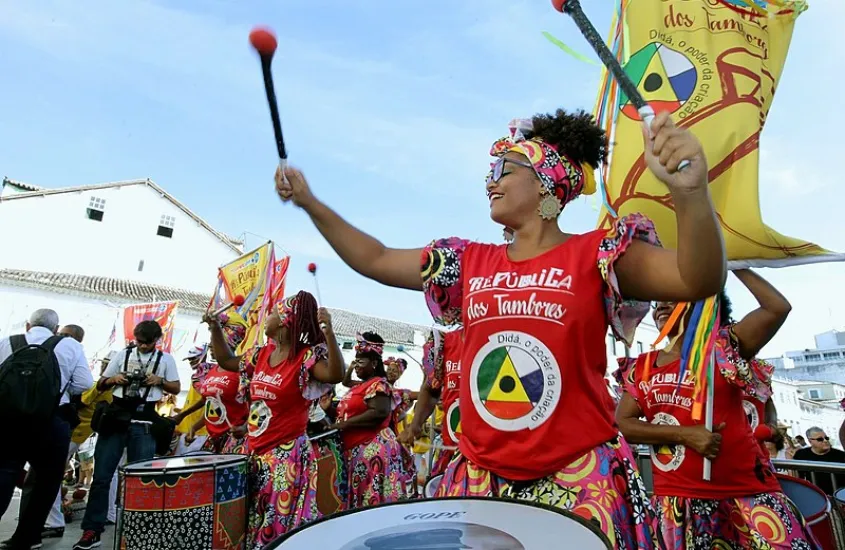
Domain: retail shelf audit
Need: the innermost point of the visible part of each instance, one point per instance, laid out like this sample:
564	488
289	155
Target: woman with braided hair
377	466
535	311
299	363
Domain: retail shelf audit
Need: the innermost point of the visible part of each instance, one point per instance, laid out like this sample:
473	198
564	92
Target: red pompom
239	300
312	268
558	4
764	432
263	40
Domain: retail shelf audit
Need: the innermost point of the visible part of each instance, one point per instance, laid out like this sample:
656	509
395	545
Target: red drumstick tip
312	268
558	4
238	301
263	40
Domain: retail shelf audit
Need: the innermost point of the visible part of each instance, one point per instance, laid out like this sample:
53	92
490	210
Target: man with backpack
38	372
140	375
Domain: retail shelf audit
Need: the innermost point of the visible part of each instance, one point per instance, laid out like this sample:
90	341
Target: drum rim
232	459
590	526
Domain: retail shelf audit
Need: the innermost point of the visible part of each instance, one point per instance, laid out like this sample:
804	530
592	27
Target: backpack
30	381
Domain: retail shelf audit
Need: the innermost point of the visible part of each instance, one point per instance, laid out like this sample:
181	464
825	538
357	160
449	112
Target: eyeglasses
497	168
144	342
819	439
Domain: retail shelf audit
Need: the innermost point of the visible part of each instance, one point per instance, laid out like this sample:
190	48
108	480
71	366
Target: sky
388	107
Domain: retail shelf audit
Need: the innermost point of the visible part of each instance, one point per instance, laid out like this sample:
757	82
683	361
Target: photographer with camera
140	375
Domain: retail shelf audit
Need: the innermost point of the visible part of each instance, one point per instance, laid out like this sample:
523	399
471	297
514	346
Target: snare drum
813	505
331	474
186	503
448	523
432	485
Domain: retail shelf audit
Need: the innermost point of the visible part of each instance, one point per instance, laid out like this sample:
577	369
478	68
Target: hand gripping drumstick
238	301
264	42
573	9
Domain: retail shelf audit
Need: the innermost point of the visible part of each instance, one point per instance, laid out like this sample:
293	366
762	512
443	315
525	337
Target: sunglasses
497	169
144	342
819	439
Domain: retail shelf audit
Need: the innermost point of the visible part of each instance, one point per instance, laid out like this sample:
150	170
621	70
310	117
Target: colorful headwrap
363	346
286	308
398	361
561	177
234	327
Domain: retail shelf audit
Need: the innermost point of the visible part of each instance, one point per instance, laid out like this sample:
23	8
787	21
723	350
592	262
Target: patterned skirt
225	444
768	521
442	458
283	491
603	486
378	472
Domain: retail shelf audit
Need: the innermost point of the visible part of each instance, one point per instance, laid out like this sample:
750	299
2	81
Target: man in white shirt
139	375
44	448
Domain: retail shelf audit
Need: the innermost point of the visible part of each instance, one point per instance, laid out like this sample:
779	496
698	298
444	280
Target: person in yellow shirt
422	444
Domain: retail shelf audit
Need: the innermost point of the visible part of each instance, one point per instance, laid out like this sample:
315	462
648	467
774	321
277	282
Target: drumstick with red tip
312	269
264	41
573	9
238	301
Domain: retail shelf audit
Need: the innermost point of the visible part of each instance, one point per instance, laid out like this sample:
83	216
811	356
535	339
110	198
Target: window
813	357
96	208
348	345
639	348
165	228
141	265
831	355
815	394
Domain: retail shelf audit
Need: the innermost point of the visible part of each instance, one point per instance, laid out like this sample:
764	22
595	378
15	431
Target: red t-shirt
755	412
740	469
225	406
449	393
355	403
281	396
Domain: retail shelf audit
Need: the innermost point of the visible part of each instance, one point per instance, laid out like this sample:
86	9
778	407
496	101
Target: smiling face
394	372
513	189
662	312
364	367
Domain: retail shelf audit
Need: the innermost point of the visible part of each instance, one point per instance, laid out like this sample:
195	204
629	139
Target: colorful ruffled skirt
378	471
283	491
768	521
603	486
225	444
442	458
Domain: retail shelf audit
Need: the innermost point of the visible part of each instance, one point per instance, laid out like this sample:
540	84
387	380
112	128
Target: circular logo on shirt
259	418
667	458
453	420
215	412
751	414
514	382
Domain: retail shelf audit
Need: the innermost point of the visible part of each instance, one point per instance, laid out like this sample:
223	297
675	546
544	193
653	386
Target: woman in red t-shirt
298	364
377	468
742	505
535	312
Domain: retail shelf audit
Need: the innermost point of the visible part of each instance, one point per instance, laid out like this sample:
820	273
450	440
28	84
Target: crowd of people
516	369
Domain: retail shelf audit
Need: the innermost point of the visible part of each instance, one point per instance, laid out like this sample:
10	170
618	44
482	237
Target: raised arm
331	370
696	269
222	354
348	382
756	329
366	255
634	430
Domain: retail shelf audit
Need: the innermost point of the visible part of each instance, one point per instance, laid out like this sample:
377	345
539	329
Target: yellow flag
714	65
185	426
249	276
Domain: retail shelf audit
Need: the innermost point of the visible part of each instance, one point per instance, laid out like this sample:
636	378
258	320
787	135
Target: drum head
449	524
810	500
432	485
191	463
839	495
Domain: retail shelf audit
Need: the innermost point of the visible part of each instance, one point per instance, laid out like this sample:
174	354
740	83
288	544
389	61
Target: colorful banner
162	312
714	65
250	276
280	275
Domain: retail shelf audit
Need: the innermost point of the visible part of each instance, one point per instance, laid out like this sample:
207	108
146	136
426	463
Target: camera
135	380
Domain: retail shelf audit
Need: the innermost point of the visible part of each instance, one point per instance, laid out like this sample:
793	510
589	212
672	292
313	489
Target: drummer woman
742	505
377	468
535	312
298	364
223	400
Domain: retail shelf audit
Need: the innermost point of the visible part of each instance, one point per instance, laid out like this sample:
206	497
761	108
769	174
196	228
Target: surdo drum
449	524
183	503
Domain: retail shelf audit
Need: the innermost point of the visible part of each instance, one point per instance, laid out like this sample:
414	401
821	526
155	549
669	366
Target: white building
95	304
129	230
825	363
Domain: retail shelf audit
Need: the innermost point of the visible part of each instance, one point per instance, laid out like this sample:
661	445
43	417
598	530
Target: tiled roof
34	191
346	323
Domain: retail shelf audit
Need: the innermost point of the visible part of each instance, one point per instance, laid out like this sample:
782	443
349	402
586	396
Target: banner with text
162	312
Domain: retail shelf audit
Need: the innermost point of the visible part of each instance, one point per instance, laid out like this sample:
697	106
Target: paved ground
72	532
